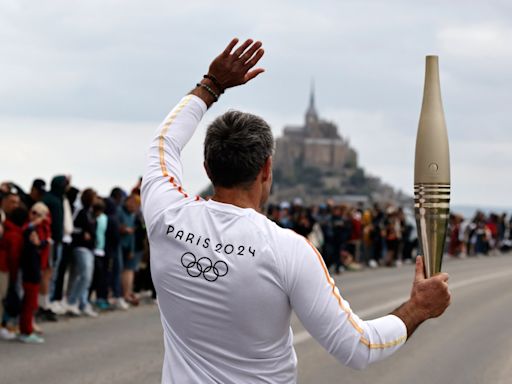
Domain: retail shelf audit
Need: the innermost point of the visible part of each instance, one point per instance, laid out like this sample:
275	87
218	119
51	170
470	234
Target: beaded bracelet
215	82
210	91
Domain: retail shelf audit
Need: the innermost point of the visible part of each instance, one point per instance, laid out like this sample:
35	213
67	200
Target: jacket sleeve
162	181
14	249
328	317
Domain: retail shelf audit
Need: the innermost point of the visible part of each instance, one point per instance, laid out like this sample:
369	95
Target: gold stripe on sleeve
164	130
356	326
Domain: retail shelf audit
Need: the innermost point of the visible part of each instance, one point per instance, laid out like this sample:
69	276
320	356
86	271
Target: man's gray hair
236	146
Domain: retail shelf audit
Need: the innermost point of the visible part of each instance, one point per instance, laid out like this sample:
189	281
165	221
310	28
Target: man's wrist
215	82
411	315
206	92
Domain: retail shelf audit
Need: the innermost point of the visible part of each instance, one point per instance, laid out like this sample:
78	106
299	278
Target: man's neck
243	198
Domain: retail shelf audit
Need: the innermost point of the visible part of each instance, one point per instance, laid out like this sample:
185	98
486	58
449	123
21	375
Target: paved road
470	344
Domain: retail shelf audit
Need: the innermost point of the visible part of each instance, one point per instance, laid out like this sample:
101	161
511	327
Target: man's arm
327	316
162	182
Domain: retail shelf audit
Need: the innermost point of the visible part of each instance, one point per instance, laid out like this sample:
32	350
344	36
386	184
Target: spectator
84	242
340	237
273	213
54	199
367	243
354	246
113	253
324	219
33	245
140	238
68	204
100	280
127	229
37	191
10	201
303	224
393	237
455	244
377	234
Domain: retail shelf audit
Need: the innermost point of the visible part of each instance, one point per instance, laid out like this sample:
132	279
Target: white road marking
389	305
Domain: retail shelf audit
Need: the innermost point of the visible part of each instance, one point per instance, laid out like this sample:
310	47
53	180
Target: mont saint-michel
314	162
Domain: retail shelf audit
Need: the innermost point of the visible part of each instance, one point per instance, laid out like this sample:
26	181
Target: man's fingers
254	60
230	46
248	54
443	276
420	271
242	48
252	74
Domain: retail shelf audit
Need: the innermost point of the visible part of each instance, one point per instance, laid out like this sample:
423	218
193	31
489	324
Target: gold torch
432	172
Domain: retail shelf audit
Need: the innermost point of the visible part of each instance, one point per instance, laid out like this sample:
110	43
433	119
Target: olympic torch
432	172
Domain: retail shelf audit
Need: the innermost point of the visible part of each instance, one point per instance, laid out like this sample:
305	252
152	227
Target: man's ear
266	171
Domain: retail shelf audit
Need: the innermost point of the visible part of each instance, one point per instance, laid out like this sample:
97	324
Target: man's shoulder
279	235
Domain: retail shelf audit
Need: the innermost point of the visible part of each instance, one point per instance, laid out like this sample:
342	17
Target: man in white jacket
227	278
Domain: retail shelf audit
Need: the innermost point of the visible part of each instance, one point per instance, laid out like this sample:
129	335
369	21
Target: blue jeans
117	268
54	263
83	268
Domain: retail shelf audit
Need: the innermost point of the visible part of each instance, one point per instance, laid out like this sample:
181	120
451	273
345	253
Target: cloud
476	41
100	70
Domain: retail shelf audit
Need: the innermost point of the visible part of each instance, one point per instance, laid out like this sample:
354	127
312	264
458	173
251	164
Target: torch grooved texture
432	207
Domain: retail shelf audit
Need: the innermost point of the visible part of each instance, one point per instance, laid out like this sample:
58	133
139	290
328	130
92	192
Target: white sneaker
31	339
72	309
5	334
121	304
372	264
57	308
88	311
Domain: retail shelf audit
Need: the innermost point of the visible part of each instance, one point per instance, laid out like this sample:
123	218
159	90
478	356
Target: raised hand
229	69
232	68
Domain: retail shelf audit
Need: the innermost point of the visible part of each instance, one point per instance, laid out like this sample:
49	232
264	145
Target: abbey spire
311	114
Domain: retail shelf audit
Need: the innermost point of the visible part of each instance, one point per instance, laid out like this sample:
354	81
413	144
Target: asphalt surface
471	343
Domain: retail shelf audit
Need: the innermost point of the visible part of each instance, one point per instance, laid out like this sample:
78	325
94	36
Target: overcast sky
83	84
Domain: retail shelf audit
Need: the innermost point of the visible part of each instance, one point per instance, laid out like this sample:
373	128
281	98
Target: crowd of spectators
351	237
70	252
481	236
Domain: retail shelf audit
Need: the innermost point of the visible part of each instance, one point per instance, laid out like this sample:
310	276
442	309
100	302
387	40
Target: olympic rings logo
203	266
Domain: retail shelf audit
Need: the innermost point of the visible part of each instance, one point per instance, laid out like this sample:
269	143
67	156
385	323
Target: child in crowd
35	241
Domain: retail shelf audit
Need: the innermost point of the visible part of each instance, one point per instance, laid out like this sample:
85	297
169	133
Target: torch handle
432	211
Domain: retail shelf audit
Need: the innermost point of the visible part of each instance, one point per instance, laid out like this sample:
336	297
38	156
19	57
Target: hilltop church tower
314	146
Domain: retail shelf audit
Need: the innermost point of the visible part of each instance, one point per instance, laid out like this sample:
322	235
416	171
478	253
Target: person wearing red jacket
12	242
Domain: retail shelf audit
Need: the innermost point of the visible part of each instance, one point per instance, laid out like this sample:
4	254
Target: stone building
314	162
315	145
